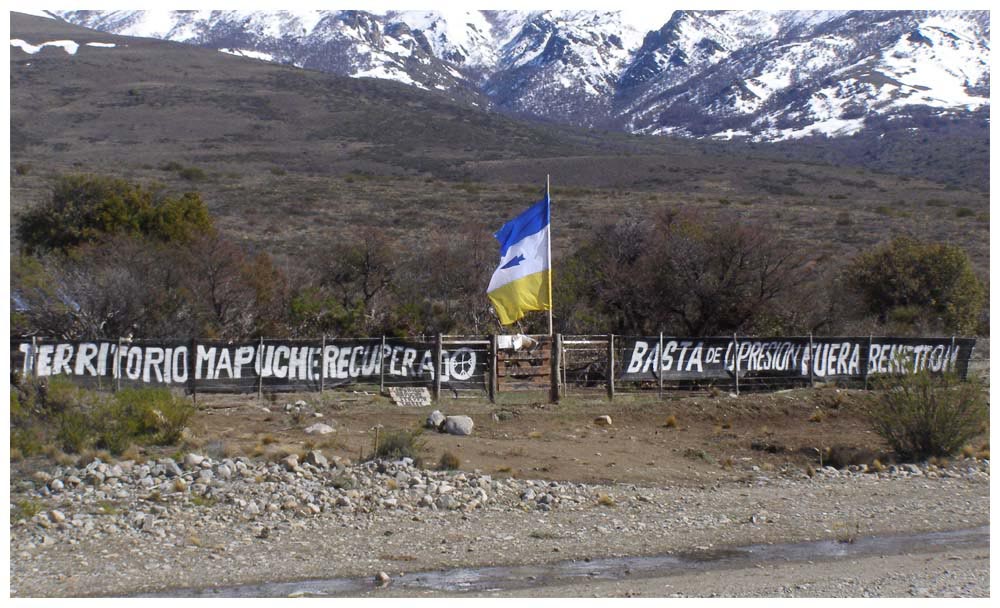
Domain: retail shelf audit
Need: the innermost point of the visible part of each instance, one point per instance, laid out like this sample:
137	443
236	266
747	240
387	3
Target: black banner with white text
271	365
791	358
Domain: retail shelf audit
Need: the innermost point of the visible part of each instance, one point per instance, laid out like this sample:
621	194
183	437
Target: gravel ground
120	529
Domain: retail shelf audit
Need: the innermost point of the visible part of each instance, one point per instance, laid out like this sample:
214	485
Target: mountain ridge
755	75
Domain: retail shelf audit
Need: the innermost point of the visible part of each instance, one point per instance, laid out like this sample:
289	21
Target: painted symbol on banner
462	364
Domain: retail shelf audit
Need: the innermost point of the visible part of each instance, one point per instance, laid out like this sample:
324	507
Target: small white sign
410	396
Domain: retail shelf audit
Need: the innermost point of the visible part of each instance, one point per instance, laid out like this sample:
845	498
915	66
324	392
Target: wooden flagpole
549	218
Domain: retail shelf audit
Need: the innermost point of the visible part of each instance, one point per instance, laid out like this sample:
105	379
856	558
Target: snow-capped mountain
755	74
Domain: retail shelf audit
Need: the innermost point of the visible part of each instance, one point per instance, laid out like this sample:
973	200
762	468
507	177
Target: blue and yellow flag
522	281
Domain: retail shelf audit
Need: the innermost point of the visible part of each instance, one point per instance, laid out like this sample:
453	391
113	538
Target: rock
317	459
446	502
223	471
382	579
458	425
291	462
435	419
56	485
170	468
603	420
319	429
57	517
192	461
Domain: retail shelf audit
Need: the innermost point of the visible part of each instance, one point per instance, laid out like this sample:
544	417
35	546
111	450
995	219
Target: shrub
394	445
449	462
192	174
89	208
921	415
53	410
145	416
905	273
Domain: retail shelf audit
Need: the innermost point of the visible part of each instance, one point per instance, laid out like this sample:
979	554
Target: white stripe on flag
535	252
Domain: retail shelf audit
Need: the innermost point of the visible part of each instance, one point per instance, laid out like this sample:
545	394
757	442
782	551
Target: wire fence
485	366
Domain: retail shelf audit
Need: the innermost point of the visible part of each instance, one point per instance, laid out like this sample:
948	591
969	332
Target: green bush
75	431
47	411
142	416
394	445
935	278
89	208
921	415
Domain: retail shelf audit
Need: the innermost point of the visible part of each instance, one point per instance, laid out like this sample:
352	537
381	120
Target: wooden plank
535	370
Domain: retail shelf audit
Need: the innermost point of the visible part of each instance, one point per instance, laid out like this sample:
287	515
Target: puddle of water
497	578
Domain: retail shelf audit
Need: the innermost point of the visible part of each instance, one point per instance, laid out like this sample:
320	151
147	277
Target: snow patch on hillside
250	54
67	45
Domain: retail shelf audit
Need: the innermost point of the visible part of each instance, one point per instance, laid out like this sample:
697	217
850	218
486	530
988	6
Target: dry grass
449	462
134	453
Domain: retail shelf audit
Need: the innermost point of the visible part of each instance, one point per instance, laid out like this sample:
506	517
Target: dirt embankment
539	484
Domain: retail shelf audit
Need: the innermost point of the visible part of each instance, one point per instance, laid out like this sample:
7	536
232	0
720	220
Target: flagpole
549	207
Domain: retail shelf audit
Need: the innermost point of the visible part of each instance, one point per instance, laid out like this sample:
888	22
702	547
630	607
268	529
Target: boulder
458	425
319	429
435	419
317	459
291	462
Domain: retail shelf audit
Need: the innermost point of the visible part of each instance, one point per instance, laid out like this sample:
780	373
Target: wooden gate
526	366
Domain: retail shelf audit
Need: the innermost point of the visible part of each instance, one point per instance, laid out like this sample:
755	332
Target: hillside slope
289	159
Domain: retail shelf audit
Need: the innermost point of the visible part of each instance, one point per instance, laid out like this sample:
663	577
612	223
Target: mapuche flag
521	282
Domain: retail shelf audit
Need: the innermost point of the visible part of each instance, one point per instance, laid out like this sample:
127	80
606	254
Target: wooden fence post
659	371
438	350
118	366
260	366
554	368
736	359
32	362
611	367
493	368
868	357
811	363
194	370
948	361
381	369
322	359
